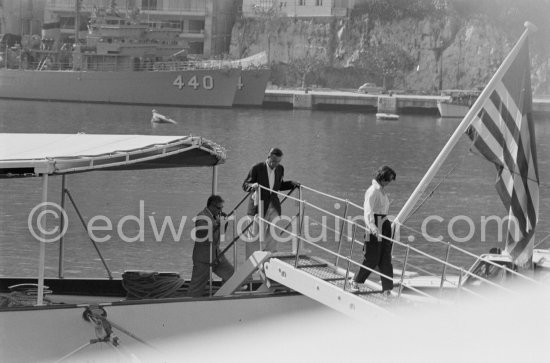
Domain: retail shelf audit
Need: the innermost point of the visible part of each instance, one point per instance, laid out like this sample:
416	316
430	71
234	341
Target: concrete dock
345	100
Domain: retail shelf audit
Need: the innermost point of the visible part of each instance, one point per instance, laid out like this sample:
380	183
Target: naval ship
123	61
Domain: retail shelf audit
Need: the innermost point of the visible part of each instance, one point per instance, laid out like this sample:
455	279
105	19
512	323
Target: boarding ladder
42	63
305	271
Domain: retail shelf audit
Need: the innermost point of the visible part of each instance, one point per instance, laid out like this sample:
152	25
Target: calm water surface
335	152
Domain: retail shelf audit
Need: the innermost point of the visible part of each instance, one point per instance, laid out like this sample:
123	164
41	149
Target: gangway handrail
238	236
322	193
355	241
444	263
408	263
403	283
429	273
346	258
480	258
238	204
448	244
332	196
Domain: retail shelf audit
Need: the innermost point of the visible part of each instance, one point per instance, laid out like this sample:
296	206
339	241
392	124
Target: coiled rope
152	285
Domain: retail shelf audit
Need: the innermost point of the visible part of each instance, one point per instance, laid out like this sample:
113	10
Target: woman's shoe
353	287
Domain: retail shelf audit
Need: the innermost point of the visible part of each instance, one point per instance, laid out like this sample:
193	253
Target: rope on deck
151	285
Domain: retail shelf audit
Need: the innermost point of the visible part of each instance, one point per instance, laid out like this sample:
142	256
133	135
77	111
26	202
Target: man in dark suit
208	224
268	174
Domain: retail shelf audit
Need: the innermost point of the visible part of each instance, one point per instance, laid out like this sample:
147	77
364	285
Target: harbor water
331	151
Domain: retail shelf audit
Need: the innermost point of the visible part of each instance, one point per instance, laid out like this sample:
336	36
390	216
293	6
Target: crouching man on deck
206	252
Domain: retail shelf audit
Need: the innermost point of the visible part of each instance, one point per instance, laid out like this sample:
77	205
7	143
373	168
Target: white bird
159	118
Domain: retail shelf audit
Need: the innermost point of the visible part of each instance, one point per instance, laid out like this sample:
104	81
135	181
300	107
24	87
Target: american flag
503	132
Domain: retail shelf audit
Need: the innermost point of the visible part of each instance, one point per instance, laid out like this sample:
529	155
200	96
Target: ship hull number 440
205	82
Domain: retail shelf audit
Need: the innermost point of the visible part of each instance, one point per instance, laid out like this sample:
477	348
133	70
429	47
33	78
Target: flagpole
462	127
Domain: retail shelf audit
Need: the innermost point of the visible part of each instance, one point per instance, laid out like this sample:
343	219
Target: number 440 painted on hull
207	82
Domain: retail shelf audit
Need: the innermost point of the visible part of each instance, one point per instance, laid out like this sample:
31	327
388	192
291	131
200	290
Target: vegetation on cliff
414	45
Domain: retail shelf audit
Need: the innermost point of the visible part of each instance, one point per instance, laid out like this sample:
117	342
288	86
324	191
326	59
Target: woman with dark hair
377	247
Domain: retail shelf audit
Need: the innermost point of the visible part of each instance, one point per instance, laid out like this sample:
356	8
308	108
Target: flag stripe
498	146
522	162
503	132
514	200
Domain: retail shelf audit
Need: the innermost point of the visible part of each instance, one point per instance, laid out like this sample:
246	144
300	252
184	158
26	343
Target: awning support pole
42	258
87	232
61	226
215	179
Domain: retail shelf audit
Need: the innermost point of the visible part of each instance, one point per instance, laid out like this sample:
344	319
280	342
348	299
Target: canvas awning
28	155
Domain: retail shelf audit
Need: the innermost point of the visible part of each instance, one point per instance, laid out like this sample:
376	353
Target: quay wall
346	100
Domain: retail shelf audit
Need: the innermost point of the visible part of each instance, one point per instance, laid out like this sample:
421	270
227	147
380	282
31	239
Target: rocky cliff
421	51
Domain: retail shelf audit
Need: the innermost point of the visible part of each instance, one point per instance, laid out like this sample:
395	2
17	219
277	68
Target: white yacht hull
50	333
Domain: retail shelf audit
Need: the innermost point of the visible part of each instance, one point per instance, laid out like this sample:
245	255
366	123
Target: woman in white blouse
377	246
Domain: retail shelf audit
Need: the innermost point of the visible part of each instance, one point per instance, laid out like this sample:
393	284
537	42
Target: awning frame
106	161
65	165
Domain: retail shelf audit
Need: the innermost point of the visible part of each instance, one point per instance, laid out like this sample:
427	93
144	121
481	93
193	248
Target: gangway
317	279
310	274
321	282
312	277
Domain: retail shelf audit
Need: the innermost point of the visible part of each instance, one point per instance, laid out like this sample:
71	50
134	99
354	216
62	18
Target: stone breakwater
347	100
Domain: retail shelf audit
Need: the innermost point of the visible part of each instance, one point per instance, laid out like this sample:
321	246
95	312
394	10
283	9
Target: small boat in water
160	118
458	102
387	116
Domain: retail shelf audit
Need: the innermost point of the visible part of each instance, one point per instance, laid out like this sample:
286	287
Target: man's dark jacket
258	174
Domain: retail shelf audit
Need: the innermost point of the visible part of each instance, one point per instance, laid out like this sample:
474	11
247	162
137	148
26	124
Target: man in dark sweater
268	174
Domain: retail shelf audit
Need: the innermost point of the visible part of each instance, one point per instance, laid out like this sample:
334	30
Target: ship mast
76	20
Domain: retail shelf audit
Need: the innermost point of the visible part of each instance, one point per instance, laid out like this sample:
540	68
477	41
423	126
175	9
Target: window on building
66	22
301	2
318	2
148	4
175	24
265	4
196	26
196	48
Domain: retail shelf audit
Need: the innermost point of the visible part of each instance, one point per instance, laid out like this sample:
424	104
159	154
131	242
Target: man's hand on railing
249	187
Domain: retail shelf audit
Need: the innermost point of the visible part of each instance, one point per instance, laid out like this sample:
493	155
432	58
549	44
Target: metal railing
449	246
237	233
352	225
107	66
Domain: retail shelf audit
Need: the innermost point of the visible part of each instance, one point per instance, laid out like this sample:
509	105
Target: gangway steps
313	266
244	273
326	273
316	279
325	285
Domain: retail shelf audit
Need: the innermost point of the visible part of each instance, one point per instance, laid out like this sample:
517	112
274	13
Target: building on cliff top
297	8
205	24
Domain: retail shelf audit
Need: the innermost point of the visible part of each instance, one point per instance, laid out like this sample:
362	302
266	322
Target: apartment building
205	24
21	17
297	8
